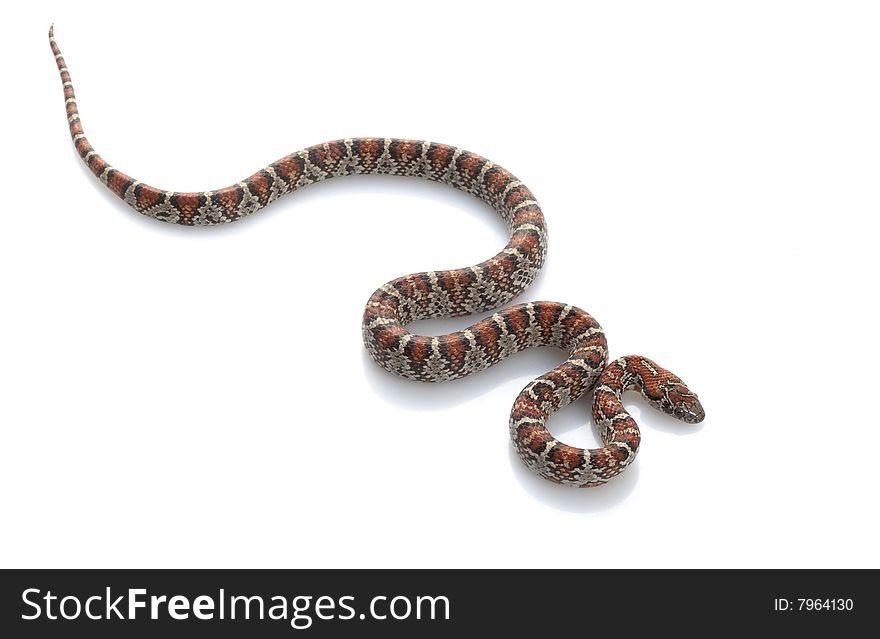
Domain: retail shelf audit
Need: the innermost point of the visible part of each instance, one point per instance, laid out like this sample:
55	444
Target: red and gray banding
465	291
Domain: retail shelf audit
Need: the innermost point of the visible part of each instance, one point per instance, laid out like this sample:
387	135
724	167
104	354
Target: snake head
681	402
663	389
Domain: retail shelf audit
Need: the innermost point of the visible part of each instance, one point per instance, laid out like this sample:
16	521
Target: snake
471	290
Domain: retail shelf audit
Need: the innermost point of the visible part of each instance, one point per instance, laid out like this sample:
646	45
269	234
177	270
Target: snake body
465	291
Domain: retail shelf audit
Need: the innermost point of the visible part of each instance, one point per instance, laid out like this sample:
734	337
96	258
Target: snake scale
464	291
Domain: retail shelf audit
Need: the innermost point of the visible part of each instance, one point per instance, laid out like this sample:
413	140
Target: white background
201	397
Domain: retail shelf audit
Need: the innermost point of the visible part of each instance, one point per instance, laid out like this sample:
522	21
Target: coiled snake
464	291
